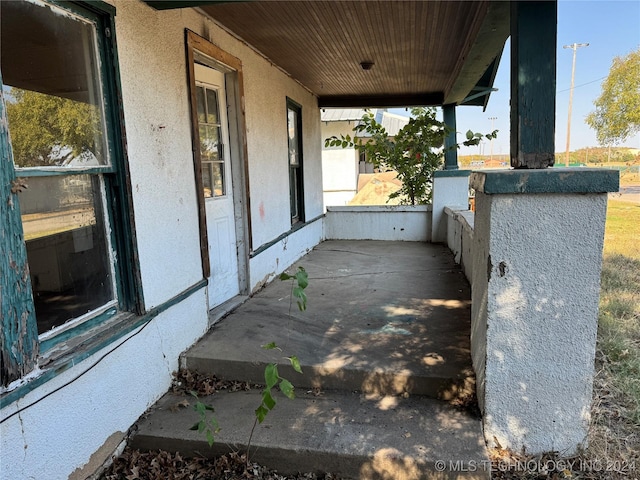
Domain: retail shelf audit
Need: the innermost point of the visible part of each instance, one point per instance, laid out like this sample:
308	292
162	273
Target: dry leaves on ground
186	381
161	465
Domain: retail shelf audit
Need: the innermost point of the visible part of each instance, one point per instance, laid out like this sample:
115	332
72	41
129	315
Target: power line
582	85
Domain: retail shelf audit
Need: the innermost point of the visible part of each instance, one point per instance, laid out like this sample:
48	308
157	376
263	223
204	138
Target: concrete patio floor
382	317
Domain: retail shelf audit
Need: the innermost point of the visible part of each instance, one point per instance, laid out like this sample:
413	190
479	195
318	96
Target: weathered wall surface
536	273
59	434
155	95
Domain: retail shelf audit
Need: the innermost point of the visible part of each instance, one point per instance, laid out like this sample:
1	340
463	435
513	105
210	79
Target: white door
218	188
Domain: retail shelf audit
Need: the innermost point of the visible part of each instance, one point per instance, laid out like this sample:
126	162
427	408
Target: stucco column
450	189
537	257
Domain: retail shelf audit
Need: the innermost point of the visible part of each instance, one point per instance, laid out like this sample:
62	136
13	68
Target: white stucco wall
155	96
274	260
448	191
340	166
536	280
58	435
266	90
392	222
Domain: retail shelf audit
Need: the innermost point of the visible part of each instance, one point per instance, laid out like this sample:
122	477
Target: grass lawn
616	407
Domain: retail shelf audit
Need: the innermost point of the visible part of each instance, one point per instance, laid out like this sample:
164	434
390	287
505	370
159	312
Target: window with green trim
59	83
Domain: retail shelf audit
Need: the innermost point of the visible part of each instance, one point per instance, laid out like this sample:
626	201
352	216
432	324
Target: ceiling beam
171	4
382	101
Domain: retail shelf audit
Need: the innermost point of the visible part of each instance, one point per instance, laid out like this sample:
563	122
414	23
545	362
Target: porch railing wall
460	238
386	222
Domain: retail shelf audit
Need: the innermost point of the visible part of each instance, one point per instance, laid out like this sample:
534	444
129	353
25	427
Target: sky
612	28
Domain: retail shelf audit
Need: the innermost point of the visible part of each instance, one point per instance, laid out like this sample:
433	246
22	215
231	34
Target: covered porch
387	389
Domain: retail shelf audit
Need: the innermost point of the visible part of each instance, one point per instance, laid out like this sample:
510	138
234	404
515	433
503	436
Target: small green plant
208	424
299	281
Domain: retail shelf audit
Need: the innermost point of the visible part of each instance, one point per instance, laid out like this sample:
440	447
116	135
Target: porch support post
533	83
537	253
450	186
450	149
18	332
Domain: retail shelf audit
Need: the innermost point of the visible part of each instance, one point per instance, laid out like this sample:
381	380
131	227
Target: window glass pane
52	87
202	113
212	106
293	182
66	247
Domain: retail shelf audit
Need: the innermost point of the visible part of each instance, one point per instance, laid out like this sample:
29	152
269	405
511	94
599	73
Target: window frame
116	201
296	172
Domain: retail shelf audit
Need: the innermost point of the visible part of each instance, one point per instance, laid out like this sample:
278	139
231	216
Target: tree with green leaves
617	113
48	130
414	154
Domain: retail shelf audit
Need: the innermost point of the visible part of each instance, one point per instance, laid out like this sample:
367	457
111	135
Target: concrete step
340	432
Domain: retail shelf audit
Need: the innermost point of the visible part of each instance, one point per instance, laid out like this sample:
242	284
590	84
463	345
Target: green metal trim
129	277
98	6
451	173
479	92
51	172
18	332
49	343
294	228
557	180
94	345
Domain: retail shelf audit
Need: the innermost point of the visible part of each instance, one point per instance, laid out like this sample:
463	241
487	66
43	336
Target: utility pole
574	47
491	145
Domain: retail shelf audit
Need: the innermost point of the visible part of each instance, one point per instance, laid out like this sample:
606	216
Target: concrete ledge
460	238
550	180
379	208
451	173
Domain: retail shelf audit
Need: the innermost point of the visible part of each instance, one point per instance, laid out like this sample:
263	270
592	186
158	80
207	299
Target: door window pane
211	147
212	107
64	230
218	179
201	104
209	142
52	87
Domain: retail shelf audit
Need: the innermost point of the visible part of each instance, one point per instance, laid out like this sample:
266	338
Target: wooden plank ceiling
421	51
